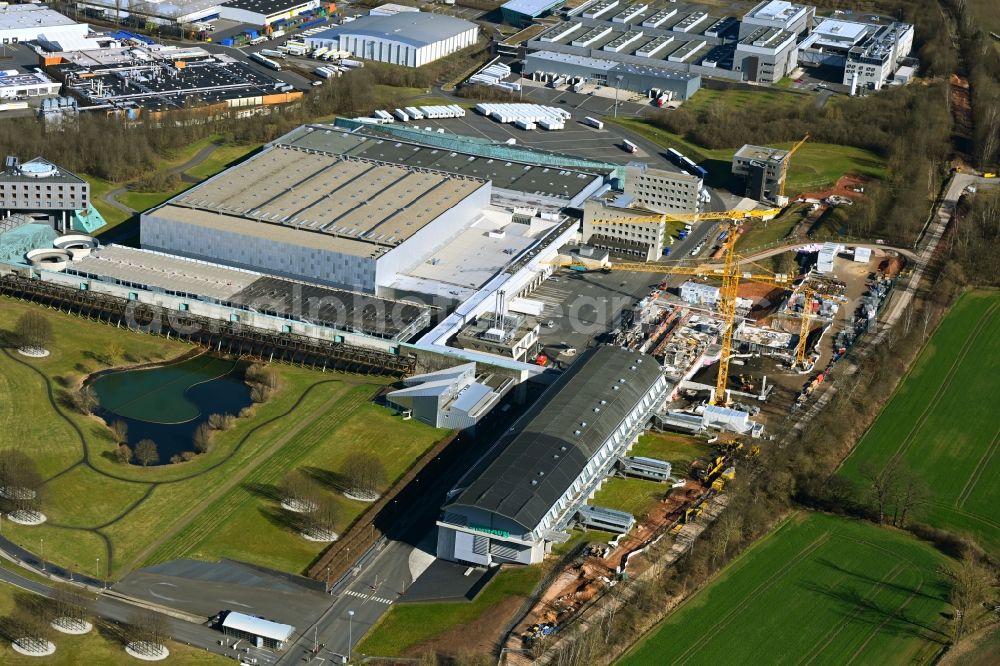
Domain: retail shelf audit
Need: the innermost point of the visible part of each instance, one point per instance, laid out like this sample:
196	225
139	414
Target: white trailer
401	115
413	112
593	122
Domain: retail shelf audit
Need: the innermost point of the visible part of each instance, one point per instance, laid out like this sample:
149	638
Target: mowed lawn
943	422
819	589
815	166
99	647
353	425
406	626
127	515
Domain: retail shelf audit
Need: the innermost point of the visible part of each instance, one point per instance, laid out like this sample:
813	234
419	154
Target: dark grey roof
541	458
415	28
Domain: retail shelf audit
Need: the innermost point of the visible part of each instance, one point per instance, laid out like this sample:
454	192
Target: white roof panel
258	626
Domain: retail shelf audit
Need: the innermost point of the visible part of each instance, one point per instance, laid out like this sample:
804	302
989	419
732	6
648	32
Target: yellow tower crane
784	165
730	273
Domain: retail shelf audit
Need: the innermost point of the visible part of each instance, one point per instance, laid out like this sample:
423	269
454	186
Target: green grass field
761	234
815	166
97	647
406	626
943	422
129	515
637	495
819	589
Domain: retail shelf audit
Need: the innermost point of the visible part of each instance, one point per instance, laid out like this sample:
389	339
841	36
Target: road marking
370	597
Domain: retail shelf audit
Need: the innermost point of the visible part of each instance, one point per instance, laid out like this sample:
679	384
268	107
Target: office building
868	54
527	490
763	169
778	15
47	193
766	55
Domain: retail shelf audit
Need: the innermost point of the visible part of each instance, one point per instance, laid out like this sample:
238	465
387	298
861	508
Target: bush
221	421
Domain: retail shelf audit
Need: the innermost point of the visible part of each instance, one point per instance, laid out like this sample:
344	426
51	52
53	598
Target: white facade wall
52	33
393	51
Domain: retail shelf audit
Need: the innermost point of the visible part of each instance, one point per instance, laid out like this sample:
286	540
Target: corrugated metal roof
258	626
557	437
415	28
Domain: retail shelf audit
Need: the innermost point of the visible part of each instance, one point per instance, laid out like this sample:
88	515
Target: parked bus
593	122
629	146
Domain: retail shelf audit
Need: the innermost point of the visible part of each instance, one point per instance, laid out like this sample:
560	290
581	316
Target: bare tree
124	454
33	331
71	606
364	474
203	438
146	631
85	400
321	523
20	482
29	627
881	487
299	491
972	594
912	493
146	452
119	431
221	421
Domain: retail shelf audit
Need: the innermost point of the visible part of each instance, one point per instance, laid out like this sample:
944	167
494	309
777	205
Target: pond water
168	403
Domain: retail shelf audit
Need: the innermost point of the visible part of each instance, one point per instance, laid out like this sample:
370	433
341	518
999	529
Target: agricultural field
128	515
815	166
943	424
819	589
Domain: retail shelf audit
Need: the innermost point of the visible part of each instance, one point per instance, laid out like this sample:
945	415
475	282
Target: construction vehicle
730	273
784	166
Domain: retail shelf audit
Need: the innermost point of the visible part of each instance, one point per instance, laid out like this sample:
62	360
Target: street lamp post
41	545
350	633
99	572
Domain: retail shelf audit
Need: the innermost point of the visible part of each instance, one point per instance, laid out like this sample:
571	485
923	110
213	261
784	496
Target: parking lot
604	145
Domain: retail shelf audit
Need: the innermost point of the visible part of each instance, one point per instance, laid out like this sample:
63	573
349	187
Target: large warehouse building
344	221
410	39
25	23
527	489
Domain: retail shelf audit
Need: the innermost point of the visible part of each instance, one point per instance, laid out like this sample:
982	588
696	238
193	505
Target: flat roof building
159	79
604	71
48	193
511	170
265	12
766	55
340	220
248	297
868	53
521	497
521	13
28	22
781	15
258	631
763	170
410	39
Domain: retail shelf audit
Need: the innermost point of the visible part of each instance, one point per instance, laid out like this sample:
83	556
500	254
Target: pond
167	404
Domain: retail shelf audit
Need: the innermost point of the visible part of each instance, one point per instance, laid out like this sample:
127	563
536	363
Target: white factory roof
418	29
20	17
258	626
776	10
833	32
530	7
